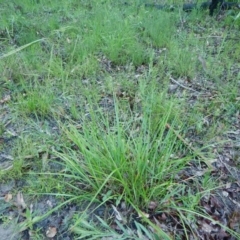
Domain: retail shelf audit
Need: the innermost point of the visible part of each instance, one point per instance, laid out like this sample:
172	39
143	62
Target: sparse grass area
116	106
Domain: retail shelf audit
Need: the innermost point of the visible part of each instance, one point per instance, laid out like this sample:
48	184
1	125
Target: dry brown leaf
143	214
222	234
31	233
206	227
6	165
123	206
172	88
51	232
203	62
228	185
8	197
5	99
31	208
118	215
163	216
225	194
200	173
152	205
20	201
234	220
49	203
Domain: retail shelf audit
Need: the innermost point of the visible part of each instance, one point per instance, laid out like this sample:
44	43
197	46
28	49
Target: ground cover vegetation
118	121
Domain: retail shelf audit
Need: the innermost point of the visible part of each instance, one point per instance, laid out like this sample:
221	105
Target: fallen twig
179	84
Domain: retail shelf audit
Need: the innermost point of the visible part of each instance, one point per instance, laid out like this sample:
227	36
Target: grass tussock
137	156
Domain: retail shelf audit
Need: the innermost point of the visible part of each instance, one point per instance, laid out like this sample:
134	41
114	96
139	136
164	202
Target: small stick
179	84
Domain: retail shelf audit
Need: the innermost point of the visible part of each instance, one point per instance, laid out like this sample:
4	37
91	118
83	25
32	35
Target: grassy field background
118	121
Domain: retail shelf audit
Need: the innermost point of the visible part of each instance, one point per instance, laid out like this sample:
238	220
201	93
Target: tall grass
142	157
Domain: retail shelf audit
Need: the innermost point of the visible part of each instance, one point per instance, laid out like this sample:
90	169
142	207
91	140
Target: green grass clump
134	161
159	29
137	160
36	103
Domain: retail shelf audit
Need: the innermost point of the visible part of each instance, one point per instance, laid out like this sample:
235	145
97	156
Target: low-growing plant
35	102
160	32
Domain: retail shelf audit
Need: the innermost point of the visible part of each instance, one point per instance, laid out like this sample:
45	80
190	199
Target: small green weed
36	103
160	32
